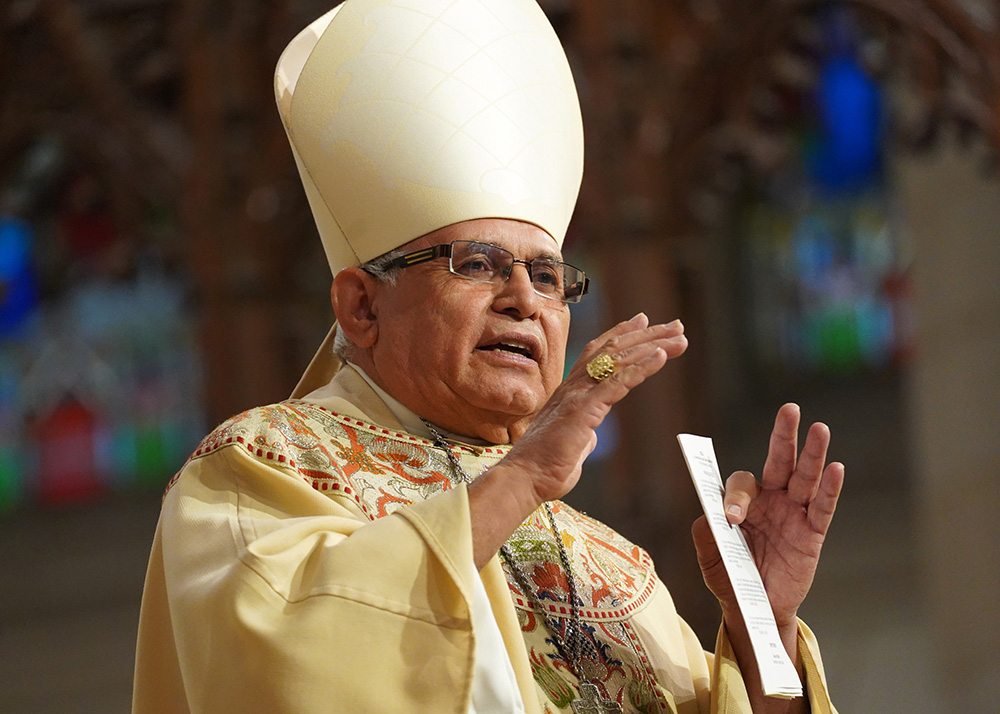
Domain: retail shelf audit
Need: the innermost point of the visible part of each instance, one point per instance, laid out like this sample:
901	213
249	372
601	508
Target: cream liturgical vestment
315	556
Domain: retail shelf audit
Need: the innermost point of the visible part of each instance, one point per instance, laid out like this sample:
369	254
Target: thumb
704	543
588	450
741	489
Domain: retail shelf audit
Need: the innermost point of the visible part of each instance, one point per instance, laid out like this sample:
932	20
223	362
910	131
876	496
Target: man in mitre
391	539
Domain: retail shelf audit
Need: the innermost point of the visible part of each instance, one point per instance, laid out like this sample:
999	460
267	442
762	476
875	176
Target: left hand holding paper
784	517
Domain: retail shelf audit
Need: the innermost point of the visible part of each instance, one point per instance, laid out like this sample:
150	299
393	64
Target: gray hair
382	269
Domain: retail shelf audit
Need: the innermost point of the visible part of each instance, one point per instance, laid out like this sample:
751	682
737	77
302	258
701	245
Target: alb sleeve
264	595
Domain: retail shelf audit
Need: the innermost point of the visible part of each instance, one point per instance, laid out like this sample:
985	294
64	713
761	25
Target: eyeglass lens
491	264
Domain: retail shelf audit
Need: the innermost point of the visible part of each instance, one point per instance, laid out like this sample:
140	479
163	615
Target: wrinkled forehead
524	240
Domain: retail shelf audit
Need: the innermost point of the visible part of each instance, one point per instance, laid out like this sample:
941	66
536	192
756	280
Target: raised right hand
547	459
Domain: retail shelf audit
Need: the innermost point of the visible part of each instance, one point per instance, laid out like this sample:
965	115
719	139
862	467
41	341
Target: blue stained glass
18	292
848	103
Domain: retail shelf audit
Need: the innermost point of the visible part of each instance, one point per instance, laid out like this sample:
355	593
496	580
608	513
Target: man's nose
526	274
518	292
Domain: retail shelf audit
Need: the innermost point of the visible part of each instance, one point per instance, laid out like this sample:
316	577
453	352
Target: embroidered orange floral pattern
381	470
614	579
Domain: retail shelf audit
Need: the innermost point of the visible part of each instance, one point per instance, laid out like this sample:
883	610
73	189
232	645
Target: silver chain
570	646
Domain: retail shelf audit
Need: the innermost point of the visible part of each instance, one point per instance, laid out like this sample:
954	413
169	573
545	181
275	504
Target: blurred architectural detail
953	394
682	100
824	270
100	387
170	106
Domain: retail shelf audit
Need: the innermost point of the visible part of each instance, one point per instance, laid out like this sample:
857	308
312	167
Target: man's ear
352	294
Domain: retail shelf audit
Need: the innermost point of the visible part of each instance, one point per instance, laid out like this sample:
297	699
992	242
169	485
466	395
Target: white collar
410	420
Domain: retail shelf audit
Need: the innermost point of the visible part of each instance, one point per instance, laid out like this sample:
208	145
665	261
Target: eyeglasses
486	263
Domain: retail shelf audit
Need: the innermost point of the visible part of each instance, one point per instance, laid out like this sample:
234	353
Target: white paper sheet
777	672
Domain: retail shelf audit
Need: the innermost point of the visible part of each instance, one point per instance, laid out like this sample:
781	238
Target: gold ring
601	367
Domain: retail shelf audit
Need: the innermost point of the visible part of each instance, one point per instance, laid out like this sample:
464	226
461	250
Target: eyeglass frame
444	250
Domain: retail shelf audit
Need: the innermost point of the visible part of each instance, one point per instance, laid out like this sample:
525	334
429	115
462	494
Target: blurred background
813	187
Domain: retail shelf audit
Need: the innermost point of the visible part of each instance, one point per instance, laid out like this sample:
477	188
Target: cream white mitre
405	116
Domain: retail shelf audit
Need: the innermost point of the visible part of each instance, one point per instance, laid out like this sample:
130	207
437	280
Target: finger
613	389
629	334
632	338
635	346
628	377
638	322
643	353
673	346
624	358
741	489
781	450
704	543
805	480
821	509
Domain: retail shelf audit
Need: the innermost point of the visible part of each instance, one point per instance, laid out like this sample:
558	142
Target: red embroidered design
615	579
550	577
381	471
378	469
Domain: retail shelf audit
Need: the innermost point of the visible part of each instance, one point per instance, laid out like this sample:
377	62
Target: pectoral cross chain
591	701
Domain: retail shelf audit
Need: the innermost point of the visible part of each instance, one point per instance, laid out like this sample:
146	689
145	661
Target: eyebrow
545	255
549	256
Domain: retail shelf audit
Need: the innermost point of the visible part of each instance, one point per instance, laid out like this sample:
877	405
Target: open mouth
516	344
507	347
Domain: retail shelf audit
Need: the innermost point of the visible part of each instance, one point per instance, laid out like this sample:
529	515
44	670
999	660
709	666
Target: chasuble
316	556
